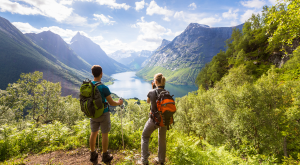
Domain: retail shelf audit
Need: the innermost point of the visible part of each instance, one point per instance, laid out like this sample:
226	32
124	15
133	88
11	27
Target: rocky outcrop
193	48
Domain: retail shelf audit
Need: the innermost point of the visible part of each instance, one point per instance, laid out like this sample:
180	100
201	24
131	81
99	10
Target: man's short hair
96	70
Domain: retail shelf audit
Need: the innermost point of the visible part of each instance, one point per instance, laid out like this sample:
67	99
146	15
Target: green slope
183	76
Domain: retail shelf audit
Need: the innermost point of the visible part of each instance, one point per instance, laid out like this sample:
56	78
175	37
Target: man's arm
112	102
148	100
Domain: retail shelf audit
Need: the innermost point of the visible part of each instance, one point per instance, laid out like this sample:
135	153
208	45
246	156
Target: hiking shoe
106	157
140	162
156	160
94	158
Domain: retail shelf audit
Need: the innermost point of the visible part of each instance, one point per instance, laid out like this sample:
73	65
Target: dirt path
79	156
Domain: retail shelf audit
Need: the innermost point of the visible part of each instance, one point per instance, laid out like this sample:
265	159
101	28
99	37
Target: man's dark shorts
103	121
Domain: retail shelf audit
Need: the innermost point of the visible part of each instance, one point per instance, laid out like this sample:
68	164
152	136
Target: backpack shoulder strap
157	93
98	83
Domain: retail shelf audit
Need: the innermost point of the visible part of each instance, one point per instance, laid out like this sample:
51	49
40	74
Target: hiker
103	121
150	126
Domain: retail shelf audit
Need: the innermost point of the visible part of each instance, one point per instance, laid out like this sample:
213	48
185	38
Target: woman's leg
148	129
162	144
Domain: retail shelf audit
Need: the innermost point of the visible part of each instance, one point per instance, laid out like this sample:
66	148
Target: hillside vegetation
267	39
36	119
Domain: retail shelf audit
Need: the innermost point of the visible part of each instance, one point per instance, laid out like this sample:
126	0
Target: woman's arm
112	102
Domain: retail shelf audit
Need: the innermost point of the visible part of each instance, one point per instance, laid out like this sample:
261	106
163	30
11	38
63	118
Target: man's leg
93	138
104	142
105	128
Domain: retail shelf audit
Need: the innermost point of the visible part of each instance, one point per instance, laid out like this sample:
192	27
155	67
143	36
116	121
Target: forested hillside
248	97
266	40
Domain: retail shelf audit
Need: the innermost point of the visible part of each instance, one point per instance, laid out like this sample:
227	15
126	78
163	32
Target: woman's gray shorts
103	121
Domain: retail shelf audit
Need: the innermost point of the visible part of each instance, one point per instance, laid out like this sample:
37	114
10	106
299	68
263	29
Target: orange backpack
166	108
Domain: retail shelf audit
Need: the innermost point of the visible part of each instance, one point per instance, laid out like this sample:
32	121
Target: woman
158	85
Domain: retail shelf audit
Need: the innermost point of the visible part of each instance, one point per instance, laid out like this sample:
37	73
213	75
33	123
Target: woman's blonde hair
160	79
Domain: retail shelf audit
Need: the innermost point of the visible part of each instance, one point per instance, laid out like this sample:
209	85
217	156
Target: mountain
94	55
132	59
163	44
182	59
55	45
124	57
19	54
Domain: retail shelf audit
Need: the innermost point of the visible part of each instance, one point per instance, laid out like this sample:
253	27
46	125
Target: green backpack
90	99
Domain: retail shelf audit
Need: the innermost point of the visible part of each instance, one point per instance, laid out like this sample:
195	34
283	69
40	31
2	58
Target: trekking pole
98	142
121	107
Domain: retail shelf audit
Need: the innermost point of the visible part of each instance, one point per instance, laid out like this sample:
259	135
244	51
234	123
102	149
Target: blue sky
126	24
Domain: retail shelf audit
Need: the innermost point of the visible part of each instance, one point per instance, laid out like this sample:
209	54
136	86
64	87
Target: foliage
15	141
183	76
286	17
250	116
264	40
35	99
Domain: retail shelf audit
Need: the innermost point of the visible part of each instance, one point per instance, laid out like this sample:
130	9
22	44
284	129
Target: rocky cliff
182	59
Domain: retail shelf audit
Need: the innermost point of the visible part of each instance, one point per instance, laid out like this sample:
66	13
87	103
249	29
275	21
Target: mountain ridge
20	55
94	55
182	59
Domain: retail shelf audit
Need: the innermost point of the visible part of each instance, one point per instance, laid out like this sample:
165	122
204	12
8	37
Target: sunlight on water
128	85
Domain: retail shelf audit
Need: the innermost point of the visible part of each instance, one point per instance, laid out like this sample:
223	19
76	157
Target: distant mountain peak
196	25
164	42
79	36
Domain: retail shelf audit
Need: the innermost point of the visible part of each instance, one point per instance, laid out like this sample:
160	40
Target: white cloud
51	8
166	19
234	23
155	9
138	45
197	18
139	5
66	2
112	4
193	6
258	4
105	20
247	15
47	8
178	33
151	31
273	2
66	34
14	7
151	35
231	14
112	46
75	19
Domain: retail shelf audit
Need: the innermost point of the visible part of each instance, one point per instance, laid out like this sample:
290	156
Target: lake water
128	85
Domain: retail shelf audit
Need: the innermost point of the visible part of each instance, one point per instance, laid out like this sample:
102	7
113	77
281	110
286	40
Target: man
103	121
